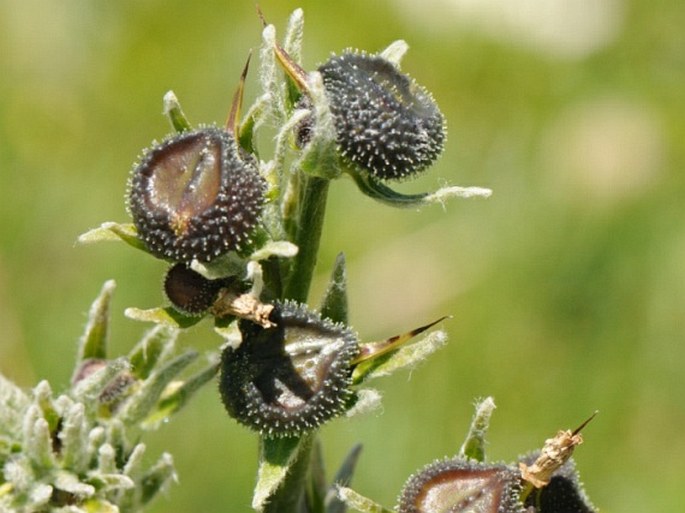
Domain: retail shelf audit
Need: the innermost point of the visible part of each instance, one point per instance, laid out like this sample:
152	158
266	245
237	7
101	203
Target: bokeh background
567	286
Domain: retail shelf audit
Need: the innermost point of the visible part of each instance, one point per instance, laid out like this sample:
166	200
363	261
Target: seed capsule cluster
195	196
386	124
458	485
289	378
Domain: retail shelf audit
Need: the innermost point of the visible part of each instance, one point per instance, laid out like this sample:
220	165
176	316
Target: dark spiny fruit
196	196
386	124
462	486
290	378
189	291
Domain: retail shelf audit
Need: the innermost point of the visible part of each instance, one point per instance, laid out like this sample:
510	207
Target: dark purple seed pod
563	494
290	378
196	196
386	124
189	291
462	486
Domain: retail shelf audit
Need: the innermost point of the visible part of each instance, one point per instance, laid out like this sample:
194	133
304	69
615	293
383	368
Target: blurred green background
567	287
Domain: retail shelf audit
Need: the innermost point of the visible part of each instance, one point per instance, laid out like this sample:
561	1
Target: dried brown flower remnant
553	455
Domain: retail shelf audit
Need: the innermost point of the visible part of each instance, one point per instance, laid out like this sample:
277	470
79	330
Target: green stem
290	493
309	223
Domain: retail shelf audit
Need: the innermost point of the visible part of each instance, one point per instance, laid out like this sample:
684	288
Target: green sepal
360	503
246	132
157	477
334	303
178	397
155	346
37	439
93	343
292	44
145	399
373	188
74	437
474	444
163	316
173	111
320	156
405	356
111	231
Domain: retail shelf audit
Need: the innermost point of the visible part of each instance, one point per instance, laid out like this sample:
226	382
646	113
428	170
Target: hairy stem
290	493
312	207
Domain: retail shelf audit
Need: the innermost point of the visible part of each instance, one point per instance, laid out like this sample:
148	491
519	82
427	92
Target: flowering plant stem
307	235
306	231
290	494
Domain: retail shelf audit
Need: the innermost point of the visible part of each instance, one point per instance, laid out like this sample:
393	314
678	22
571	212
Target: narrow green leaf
163	316
157	344
111	231
359	502
343	478
37	441
279	248
175	400
98	506
316	484
74	438
375	189
144	400
157	477
474	444
334	303
93	343
283	465
405	356
67	481
395	52
172	110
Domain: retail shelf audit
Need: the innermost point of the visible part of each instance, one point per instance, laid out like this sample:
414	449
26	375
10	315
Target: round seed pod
189	291
195	196
386	124
290	378
460	486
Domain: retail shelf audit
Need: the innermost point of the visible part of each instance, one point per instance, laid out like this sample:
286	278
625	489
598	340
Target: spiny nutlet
196	196
460	486
189	291
385	123
290	378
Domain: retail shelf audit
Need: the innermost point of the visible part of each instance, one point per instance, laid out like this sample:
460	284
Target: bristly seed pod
290	378
386	124
461	486
189	291
196	196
